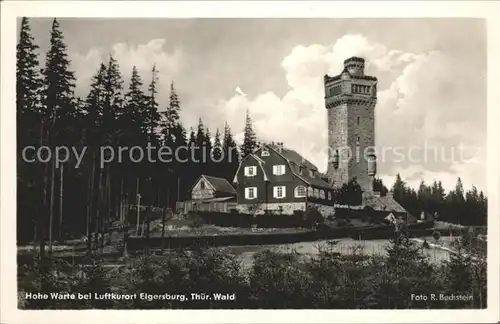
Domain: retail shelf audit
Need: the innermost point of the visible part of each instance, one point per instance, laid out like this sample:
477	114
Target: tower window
357	140
357	121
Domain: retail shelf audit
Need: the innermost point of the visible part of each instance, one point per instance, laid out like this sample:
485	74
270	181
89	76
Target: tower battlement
355	66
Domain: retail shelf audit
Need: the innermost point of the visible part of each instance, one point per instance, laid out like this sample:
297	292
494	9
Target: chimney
279	147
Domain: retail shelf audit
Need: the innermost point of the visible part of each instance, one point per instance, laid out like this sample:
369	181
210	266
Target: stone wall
323	209
358	165
337	139
259	209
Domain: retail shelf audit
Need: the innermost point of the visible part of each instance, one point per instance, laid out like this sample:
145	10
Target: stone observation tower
350	100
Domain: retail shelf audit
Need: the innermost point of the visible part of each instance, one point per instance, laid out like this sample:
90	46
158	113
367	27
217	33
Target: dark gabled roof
219	184
383	203
294	157
258	159
298	159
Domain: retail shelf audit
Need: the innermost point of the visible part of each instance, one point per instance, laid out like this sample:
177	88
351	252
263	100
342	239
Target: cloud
143	56
424	101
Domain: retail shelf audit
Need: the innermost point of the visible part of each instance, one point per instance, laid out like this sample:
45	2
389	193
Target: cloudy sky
431	110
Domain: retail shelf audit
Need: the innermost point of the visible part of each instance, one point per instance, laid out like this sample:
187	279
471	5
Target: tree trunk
121	201
163	220
51	215
43	202
61	195
178	188
146	216
98	210
90	206
108	213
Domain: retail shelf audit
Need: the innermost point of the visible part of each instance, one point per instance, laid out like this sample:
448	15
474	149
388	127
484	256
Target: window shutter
275	169
246	174
255	192
275	192
246	191
283	191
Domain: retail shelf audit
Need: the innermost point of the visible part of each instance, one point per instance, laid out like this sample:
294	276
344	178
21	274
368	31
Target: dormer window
265	152
250	171
311	173
202	185
278	169
301	170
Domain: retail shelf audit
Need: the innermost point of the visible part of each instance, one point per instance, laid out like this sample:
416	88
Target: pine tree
113	102
230	152
174	136
93	112
217	155
153	116
60	105
423	196
112	135
398	189
29	132
207	166
406	270
200	145
483	208
135	117
192	171
459	191
171	115
349	194
379	186
93	107
180	165
192	137
249	139
59	81
28	81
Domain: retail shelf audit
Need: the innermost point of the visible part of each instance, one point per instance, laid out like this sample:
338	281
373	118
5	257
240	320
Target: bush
277	279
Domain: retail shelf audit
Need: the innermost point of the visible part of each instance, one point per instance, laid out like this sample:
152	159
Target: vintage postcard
290	162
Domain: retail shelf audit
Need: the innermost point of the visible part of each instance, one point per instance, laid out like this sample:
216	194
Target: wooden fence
184	207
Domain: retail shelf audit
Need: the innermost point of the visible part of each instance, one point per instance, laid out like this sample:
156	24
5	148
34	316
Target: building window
357	140
301	170
310	192
300	191
279	192
251	193
316	193
322	194
202	185
250	171
265	152
329	195
311	173
357	121
278	169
